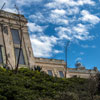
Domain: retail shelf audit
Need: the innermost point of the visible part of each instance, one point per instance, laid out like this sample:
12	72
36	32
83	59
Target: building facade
13	29
58	68
14	37
52	67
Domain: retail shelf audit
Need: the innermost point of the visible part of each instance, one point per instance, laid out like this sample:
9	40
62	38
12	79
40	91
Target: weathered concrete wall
12	21
51	64
59	65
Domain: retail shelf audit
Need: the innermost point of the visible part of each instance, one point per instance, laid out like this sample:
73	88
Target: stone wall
51	64
59	65
12	21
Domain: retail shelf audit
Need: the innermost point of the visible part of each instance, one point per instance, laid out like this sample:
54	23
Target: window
1	58
74	76
15	36
21	60
61	74
50	72
5	29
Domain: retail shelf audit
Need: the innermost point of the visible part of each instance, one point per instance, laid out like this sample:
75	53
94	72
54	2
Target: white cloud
58	17
81	32
80	29
37	17
78	59
8	3
71	3
78	32
59	11
64	32
67	2
89	2
87	17
43	45
71	11
35	28
58	51
10	10
26	2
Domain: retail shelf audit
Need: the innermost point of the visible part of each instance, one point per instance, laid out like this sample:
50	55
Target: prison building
13	31
57	68
14	37
53	67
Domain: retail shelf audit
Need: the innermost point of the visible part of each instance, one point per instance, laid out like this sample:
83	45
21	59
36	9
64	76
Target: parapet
49	61
85	71
8	15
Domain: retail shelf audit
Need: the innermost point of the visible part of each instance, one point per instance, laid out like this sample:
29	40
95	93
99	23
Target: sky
52	23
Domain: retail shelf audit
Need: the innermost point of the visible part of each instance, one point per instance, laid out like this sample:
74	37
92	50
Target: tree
37	68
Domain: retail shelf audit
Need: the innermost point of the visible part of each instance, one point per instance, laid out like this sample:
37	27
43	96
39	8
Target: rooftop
45	60
4	14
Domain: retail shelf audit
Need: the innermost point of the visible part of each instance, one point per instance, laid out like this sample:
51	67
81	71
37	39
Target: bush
35	85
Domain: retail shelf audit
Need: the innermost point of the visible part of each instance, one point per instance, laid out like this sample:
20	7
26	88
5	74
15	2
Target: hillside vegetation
35	85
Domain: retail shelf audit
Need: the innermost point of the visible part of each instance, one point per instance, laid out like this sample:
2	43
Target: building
58	68
52	67
13	29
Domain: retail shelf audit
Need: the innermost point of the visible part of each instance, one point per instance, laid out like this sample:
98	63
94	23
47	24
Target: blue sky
54	22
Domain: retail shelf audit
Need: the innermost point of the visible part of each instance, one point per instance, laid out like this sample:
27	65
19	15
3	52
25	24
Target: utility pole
66	57
2	29
18	59
21	39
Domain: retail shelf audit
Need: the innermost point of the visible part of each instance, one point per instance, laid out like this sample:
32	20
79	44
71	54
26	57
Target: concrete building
13	29
52	67
58	68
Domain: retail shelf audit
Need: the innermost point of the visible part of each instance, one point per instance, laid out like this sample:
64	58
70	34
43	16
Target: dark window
5	28
1	58
50	72
21	61
15	35
74	76
61	74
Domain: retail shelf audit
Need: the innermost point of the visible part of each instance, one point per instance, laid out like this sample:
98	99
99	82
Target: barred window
15	36
61	74
50	72
21	60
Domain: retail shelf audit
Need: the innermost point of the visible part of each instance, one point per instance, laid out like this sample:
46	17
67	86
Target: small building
58	68
52	67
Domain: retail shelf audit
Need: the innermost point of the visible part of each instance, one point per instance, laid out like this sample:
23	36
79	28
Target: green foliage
37	68
36	85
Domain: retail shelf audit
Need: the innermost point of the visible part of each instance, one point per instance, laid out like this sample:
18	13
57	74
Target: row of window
60	73
16	40
21	59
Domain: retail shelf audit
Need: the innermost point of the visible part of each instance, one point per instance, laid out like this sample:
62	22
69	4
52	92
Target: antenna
2	6
21	39
16	7
66	55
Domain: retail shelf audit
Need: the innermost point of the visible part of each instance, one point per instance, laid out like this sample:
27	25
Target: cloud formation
70	21
43	45
87	17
